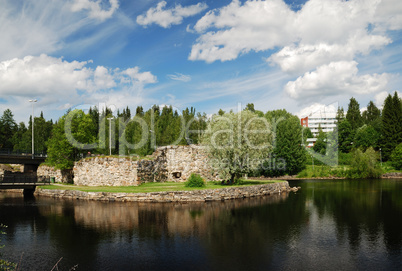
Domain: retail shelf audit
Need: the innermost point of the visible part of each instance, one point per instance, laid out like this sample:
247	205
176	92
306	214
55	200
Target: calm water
327	225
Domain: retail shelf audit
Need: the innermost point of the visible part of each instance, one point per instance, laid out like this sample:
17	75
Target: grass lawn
153	187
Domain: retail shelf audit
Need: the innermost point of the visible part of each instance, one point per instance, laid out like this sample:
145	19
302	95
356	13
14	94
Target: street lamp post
110	136
33	146
380	157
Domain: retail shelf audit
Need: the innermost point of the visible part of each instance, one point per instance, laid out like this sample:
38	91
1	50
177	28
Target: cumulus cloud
43	75
317	108
95	9
168	17
333	79
237	28
304	57
380	97
320	32
180	77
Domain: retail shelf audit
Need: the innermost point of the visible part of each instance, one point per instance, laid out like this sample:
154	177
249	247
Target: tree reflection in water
326	225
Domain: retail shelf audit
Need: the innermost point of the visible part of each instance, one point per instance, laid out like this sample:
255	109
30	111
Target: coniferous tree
372	113
345	136
340	114
391	130
7	129
289	145
353	114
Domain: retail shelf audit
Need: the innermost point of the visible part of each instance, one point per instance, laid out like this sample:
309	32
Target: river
327	225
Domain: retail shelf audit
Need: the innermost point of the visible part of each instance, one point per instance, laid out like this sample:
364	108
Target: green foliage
72	133
396	157
372	114
7	129
320	145
340	115
391	131
366	136
364	164
237	143
344	158
345	136
195	180
288	146
353	114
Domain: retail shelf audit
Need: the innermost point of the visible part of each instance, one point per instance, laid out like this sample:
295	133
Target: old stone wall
61	176
106	171
170	163
181	161
174	196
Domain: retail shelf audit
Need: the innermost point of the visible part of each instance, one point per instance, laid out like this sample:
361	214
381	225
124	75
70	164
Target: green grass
153	187
323	171
387	168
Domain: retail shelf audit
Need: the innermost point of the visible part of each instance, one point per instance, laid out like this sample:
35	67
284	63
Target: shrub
396	157
195	180
364	164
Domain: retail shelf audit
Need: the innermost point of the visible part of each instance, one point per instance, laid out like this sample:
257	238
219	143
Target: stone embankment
174	196
392	175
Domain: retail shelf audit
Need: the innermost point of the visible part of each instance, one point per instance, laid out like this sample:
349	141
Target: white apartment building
327	121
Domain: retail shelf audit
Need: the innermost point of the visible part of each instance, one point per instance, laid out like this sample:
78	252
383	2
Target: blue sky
297	55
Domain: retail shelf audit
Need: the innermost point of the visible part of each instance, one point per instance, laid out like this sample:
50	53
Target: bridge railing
22	152
23	179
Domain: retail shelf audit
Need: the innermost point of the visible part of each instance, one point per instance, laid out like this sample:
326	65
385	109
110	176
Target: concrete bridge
27	180
30	163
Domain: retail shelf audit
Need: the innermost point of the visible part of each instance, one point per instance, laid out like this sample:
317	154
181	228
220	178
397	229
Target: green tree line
140	132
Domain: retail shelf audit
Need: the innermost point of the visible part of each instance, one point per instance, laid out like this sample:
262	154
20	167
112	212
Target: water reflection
327	225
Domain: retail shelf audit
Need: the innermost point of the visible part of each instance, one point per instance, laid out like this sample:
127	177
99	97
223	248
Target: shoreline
390	175
205	195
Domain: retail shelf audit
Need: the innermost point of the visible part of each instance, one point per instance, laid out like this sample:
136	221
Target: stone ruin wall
169	163
105	171
184	160
61	176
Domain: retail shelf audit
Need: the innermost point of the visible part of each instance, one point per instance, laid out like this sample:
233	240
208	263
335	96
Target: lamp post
380	157
110	136
33	146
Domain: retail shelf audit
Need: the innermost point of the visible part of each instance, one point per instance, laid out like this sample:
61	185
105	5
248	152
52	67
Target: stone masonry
181	161
169	163
61	176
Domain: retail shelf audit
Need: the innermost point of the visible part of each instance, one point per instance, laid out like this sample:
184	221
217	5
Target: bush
396	157
195	180
364	164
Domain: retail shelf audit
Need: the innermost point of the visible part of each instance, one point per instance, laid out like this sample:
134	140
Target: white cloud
317	108
46	27
333	79
48	76
321	32
256	25
379	98
95	9
180	77
388	15
168	17
301	58
142	77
